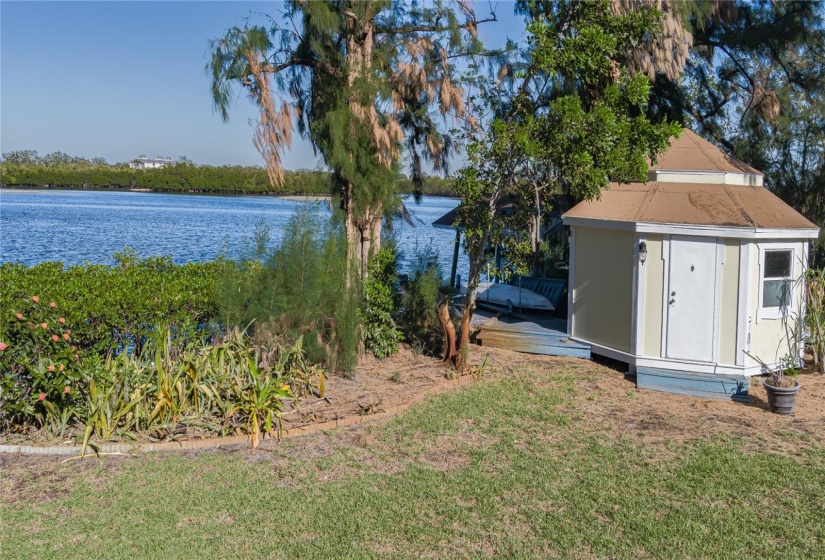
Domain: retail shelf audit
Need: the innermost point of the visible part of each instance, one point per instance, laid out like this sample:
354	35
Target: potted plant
782	385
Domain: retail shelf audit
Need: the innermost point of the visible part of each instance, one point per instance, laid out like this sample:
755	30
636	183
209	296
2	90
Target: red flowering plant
39	365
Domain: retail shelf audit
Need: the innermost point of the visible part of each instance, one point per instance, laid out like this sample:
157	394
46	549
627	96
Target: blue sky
121	79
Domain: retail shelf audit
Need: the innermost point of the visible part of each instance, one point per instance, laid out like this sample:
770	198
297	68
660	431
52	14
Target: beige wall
729	302
768	340
603	284
654	271
602	303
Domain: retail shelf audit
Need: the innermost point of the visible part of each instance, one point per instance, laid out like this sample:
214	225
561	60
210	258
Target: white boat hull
506	295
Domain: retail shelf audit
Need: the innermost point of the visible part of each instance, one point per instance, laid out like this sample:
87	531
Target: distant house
145	162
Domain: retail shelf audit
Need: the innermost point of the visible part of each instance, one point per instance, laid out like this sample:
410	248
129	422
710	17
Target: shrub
115	308
381	336
418	313
213	388
298	289
39	364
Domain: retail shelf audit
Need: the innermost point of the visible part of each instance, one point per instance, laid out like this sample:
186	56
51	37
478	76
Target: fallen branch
76	457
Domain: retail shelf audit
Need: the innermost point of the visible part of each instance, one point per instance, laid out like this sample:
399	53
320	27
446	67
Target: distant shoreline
305	197
292	196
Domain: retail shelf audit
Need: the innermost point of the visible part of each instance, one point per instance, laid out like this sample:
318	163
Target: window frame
778	312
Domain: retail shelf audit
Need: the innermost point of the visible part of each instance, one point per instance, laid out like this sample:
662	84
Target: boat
511	297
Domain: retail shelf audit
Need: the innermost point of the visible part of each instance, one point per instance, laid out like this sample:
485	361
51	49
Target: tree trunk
536	231
476	261
351	230
369	231
449	330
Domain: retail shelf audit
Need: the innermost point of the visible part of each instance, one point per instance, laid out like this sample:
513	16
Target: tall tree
574	122
361	81
755	83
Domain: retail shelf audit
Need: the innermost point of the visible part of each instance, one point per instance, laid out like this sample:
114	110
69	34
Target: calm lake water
89	226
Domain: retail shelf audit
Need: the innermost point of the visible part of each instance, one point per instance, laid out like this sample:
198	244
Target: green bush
297	290
115	308
39	364
135	348
212	388
418	312
381	336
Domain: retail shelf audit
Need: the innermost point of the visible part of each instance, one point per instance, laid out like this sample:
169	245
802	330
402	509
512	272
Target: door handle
672	301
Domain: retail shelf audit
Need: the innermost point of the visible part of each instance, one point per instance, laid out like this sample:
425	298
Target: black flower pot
782	400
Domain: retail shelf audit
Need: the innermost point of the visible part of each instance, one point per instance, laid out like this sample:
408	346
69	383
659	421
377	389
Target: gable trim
694	229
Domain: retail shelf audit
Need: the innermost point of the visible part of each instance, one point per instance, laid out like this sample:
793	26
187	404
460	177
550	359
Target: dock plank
561	340
523	327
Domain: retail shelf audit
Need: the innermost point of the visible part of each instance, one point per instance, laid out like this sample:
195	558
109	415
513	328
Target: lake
89	226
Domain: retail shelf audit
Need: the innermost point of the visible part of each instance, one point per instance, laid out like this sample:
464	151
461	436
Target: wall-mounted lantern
642	252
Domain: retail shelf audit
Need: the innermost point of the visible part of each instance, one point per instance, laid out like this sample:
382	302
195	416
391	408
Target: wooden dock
532	334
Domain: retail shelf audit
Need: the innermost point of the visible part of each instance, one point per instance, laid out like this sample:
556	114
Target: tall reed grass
815	316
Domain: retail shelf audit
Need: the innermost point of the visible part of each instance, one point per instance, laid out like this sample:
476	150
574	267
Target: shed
693	278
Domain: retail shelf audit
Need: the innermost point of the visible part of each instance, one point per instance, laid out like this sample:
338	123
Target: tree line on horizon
26	168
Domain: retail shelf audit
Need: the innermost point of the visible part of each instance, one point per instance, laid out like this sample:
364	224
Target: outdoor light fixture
642	252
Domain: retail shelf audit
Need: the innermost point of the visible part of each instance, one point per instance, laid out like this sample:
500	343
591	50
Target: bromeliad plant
215	388
259	397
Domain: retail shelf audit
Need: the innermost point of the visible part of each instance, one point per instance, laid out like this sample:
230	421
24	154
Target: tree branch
433	28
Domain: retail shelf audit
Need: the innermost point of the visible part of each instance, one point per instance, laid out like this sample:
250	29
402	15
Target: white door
691	298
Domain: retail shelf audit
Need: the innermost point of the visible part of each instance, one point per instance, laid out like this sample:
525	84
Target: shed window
776	278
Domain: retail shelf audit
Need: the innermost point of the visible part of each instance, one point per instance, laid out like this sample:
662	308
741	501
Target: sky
123	79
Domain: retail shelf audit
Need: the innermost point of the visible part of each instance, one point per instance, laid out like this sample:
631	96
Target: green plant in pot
782	385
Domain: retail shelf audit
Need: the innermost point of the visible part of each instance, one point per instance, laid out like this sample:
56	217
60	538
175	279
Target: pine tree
362	81
754	82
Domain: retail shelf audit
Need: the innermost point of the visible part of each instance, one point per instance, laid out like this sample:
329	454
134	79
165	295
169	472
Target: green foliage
213	389
28	169
39	364
815	315
260	398
297	290
128	349
575	123
381	336
755	83
418	311
114	308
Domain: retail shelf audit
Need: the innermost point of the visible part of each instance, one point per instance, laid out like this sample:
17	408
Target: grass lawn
513	466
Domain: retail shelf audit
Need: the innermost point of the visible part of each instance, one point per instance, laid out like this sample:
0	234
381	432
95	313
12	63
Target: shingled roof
699	202
691	152
692	203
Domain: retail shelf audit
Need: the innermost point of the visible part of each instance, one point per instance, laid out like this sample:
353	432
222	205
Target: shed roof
691	152
692	203
559	204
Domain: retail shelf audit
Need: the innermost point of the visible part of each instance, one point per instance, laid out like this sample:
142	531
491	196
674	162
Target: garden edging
208	443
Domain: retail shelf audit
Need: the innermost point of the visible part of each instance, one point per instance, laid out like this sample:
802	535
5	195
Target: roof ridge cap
654	188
